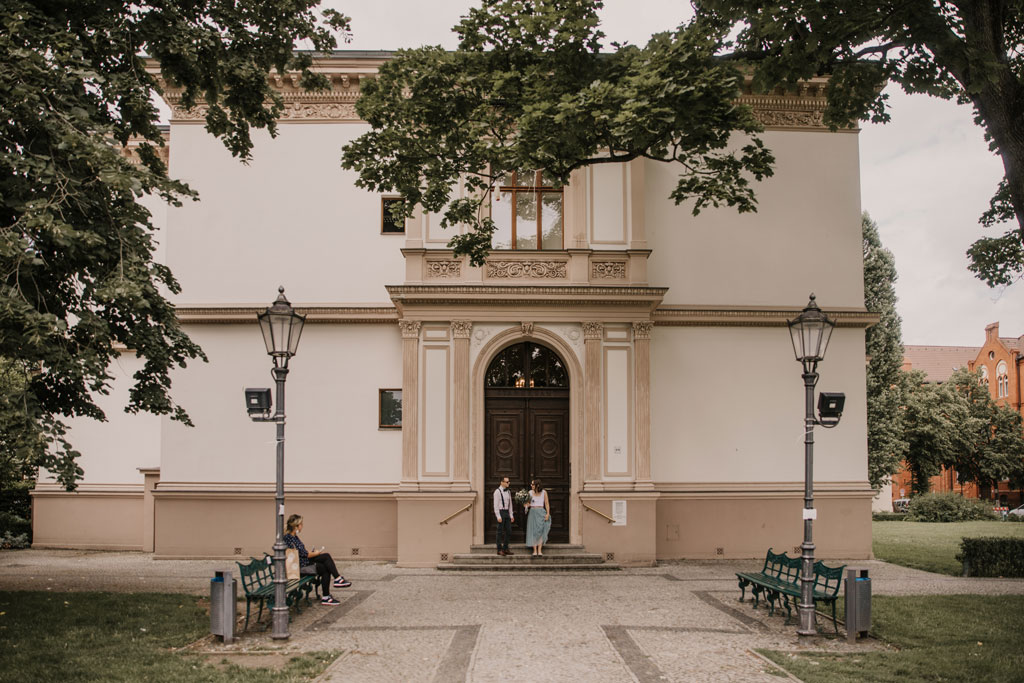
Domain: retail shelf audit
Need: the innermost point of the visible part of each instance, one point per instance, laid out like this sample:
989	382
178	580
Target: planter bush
992	556
948	507
888	516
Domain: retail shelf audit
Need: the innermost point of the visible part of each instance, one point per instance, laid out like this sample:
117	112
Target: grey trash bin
223	605
858	603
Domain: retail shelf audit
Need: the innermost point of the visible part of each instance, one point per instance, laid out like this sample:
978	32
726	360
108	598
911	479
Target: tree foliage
929	429
990	437
79	283
958	425
884	348
528	88
972	52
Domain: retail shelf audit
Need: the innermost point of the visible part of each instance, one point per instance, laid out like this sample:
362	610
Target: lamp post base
279	622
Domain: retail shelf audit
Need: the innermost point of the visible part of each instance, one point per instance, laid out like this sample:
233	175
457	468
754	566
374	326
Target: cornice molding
263	489
574	298
781	489
685	316
801	108
244	315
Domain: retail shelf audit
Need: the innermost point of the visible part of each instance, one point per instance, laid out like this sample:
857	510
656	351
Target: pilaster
593	332
461	330
642	409
410	403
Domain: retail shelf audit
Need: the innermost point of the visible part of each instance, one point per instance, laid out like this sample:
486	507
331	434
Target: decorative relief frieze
527	329
461	329
526	269
642	329
293	111
804	109
593	330
608	270
444	269
410	328
790	119
321	111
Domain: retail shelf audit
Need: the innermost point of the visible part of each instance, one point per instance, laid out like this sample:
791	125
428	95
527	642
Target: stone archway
568	355
526	432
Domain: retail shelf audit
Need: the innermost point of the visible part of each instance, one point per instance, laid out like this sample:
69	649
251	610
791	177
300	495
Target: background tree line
928	426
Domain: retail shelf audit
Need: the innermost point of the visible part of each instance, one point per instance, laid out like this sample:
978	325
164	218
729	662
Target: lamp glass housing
281	327
810	333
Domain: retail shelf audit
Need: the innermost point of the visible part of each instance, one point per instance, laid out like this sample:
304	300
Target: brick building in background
999	360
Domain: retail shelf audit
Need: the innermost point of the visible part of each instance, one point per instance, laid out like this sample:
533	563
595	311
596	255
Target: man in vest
505	516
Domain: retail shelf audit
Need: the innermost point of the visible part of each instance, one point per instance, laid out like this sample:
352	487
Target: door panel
549	455
527	437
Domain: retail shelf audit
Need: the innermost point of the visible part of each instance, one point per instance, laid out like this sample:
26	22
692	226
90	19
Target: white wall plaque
619	512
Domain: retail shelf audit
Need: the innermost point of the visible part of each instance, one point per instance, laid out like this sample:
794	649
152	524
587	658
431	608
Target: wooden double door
526	438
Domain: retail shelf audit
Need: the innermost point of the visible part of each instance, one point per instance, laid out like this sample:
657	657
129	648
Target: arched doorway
526	433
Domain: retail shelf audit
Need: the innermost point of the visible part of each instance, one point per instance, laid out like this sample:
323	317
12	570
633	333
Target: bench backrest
254	574
774	563
791	571
827	579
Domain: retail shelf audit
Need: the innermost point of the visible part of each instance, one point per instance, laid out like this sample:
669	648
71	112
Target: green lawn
955	638
70	637
932	546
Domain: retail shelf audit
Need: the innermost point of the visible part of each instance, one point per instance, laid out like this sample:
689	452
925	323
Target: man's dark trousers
504	529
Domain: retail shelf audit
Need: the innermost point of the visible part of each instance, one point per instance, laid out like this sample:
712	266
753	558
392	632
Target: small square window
388	224
390	413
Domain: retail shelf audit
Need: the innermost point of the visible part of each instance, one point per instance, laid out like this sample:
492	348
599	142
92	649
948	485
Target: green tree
972	52
929	428
989	437
884	348
76	247
528	88
958	425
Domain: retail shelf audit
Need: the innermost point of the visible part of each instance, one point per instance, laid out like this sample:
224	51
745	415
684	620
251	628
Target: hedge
948	507
888	516
992	556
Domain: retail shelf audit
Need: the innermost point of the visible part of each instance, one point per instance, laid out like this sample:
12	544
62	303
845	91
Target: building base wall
423	540
633	544
746	527
90	520
223	525
406	527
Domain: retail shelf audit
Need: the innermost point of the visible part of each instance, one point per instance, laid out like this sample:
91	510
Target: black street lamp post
281	327
810	332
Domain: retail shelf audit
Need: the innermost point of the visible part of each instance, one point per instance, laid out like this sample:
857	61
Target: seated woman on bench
315	562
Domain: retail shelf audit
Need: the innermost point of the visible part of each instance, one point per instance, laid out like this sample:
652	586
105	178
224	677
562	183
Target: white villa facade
640	362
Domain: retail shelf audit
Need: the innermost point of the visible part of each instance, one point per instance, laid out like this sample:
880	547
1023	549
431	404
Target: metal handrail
597	512
445	520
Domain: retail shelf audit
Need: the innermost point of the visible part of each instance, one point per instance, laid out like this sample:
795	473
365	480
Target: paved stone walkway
676	622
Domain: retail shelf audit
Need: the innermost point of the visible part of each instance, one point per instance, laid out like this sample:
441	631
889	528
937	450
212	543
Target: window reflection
527	211
527	366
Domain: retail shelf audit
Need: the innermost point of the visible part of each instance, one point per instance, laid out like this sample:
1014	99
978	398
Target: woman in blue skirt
538	518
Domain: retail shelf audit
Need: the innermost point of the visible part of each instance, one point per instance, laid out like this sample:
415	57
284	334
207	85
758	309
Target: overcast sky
925	177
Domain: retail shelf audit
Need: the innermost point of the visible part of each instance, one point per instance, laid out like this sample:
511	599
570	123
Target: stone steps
556	557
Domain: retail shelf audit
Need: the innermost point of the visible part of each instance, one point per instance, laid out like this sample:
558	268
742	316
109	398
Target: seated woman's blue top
292	541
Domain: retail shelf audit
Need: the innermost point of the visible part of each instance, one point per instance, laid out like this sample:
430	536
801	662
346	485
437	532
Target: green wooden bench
779	582
257	577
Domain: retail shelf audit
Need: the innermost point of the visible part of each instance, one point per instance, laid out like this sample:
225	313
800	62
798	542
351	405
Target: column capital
593	330
642	329
410	328
461	329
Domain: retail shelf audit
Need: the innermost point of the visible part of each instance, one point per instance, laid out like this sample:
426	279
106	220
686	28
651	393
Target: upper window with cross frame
527	211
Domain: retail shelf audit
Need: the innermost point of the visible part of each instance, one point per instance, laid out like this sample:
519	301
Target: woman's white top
536	499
